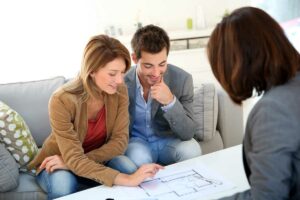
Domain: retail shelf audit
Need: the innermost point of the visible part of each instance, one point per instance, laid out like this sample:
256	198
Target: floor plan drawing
184	183
174	182
180	184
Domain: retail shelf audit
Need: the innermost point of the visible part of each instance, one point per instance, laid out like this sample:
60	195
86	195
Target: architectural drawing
180	181
179	184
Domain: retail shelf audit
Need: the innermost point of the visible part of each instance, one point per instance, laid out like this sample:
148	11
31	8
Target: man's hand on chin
161	92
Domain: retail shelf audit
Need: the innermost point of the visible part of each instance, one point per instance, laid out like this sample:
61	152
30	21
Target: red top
96	133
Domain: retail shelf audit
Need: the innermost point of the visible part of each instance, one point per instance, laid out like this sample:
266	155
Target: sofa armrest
230	120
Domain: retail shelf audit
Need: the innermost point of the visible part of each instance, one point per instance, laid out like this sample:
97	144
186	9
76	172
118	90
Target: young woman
89	121
248	51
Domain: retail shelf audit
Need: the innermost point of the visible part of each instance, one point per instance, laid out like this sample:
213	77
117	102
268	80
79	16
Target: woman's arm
61	110
144	172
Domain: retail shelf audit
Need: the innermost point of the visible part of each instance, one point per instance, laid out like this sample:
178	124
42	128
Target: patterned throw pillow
16	136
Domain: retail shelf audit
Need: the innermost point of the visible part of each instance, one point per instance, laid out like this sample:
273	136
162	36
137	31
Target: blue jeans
63	182
164	151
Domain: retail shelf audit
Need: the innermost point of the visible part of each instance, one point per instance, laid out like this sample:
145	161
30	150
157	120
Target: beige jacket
68	119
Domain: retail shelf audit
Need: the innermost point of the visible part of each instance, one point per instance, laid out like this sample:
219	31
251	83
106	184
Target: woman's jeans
63	182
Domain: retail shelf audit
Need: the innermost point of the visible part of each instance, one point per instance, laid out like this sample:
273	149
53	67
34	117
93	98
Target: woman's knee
58	183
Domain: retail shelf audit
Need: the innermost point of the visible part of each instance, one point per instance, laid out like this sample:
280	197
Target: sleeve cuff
170	105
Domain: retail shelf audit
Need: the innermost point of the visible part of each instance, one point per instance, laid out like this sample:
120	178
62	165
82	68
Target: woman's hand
145	171
52	163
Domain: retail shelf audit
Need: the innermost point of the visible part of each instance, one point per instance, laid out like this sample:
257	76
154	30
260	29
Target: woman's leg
58	183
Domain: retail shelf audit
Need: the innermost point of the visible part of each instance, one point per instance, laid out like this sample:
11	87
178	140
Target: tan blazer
68	120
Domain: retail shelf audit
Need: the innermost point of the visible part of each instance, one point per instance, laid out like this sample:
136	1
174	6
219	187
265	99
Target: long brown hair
99	51
249	51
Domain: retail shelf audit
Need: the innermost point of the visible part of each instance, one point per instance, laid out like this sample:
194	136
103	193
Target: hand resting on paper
144	172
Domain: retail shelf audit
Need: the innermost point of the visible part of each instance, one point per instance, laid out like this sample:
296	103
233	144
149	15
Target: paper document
175	182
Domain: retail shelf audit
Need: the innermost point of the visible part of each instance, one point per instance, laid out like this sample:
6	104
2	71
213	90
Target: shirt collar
138	83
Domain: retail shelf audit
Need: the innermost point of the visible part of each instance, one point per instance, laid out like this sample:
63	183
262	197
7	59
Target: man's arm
181	116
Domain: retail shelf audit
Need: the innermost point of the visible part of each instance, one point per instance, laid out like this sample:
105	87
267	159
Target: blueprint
180	184
184	182
175	182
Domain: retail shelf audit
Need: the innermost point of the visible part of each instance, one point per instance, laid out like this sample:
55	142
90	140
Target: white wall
169	14
195	62
44	38
41	39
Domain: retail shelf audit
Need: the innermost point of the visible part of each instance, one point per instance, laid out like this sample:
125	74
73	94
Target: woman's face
110	76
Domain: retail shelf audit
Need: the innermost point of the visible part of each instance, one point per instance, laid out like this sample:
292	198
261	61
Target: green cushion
16	136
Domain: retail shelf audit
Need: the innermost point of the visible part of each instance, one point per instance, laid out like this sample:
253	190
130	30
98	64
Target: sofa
219	122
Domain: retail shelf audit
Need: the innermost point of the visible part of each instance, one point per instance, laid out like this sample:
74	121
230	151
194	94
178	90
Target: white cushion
205	111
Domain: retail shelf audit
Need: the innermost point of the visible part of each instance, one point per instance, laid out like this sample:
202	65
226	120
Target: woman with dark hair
89	121
249	52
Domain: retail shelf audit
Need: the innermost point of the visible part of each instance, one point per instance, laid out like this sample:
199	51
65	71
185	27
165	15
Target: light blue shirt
142	125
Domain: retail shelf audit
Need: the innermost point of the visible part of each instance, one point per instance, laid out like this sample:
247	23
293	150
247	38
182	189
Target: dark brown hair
249	51
99	51
151	39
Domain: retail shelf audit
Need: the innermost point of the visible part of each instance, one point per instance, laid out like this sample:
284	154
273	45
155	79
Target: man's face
151	67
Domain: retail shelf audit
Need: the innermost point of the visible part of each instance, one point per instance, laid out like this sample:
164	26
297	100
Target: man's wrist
170	101
165	108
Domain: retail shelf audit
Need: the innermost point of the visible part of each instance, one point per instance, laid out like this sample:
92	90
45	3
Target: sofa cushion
16	136
205	111
30	100
9	172
27	189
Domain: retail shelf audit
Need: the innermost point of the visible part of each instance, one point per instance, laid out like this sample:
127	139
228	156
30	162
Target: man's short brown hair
151	39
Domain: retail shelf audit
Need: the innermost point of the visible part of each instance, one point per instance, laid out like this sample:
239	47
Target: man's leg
123	164
173	150
58	183
139	151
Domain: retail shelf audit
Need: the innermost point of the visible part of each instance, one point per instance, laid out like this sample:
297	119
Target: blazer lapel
110	112
130	81
81	120
154	108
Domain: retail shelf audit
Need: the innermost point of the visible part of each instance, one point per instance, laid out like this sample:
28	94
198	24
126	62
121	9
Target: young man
161	96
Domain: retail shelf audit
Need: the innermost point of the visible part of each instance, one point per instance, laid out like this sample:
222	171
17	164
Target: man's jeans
63	182
164	151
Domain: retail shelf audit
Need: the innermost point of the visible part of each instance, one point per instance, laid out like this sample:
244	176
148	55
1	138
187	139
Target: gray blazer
179	120
272	145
